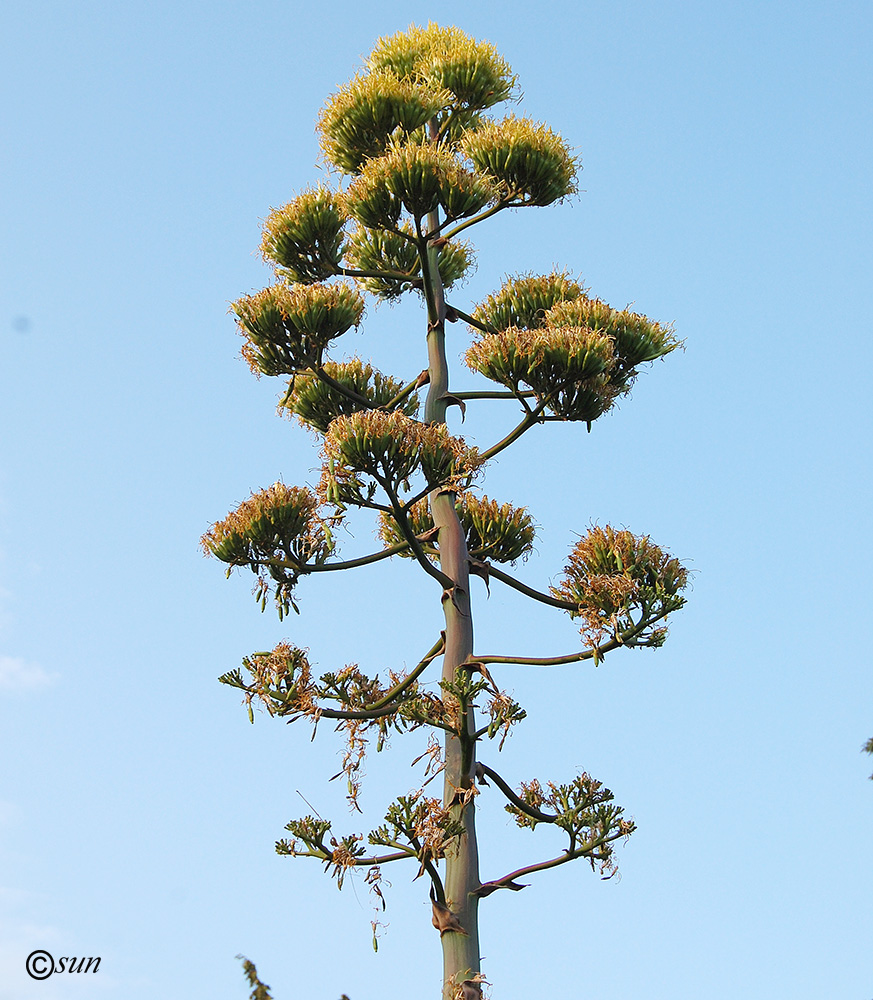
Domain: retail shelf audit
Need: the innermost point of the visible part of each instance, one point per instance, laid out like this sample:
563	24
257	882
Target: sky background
726	188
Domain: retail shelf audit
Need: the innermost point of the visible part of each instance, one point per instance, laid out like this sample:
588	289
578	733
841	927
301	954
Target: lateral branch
483	771
388	703
594	652
510	881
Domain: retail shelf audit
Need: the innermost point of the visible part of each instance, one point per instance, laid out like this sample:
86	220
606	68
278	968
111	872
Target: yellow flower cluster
304	239
614	572
316	402
528	161
577	353
496	532
278	523
391	448
287	328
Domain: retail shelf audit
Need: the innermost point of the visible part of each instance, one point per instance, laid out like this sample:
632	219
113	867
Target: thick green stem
460	948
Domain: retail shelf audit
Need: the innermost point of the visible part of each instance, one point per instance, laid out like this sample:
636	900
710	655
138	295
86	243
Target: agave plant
422	154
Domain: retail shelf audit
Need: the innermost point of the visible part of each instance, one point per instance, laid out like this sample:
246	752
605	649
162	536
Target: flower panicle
390	448
287	328
277	533
472	71
304	239
531	164
316	402
497	532
621	582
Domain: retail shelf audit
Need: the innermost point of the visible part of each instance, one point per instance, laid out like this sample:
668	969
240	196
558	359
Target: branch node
443	919
450	594
483	571
451	400
488	887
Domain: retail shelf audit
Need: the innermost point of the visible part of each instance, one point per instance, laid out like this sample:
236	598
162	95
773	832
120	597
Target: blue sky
726	153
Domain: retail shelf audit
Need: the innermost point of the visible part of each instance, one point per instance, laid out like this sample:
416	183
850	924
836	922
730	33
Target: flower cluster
390	448
635	338
529	162
584	809
613	575
276	532
418	177
422	822
359	120
393	262
280	522
474	73
566	366
288	328
496	532
523	301
577	353
317	402
280	680
304	239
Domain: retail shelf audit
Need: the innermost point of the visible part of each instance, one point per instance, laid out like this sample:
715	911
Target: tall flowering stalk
422	158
